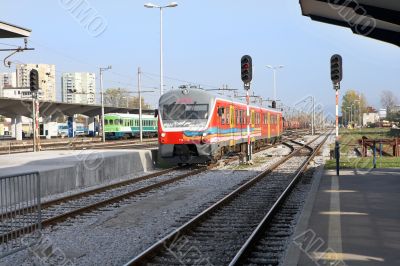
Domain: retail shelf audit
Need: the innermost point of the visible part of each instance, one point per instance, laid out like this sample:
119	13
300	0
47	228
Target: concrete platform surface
353	219
61	171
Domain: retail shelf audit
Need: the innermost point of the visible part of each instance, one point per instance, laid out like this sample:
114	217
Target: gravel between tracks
112	235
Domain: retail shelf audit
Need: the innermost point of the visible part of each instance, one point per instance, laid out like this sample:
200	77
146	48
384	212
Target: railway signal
34	88
336	77
246	66
34	80
336	69
246	69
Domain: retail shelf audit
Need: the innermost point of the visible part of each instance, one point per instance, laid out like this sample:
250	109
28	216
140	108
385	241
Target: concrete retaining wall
64	171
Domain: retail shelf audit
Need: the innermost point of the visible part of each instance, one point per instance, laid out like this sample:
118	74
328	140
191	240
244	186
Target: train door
232	125
253	122
277	125
220	122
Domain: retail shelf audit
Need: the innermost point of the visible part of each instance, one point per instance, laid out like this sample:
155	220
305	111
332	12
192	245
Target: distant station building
382	113
7	80
394	109
370	118
19	93
78	87
47	76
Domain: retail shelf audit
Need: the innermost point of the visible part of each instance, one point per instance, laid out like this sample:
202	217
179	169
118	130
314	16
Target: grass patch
364	163
348	139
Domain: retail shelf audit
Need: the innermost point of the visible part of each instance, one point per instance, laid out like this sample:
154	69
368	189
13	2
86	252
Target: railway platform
62	171
352	219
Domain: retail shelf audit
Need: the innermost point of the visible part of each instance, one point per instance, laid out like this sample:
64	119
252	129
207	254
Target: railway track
58	210
77	145
214	236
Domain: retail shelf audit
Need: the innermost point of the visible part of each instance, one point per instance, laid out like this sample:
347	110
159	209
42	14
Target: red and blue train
195	126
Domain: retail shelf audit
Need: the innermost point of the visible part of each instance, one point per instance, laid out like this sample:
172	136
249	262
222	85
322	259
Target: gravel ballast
116	233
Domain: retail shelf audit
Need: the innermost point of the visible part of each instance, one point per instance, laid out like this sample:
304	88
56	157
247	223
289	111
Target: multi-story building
78	87
7	80
47	79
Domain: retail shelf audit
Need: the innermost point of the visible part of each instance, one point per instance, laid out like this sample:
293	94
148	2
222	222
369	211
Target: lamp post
274	68
151	5
102	69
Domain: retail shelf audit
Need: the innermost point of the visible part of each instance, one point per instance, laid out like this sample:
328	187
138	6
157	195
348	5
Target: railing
20	212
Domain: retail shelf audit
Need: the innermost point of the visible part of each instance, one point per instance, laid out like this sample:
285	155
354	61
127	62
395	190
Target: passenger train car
119	126
195	126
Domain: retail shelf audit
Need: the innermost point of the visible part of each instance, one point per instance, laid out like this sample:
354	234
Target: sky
203	43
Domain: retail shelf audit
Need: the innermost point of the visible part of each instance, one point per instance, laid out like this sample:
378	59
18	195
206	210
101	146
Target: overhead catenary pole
103	136
313	116
140	106
274	69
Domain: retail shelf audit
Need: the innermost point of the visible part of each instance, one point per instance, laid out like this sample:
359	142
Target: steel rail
256	234
88	208
147	254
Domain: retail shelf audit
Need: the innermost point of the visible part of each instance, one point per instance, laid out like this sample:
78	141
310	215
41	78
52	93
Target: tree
121	97
388	100
352	100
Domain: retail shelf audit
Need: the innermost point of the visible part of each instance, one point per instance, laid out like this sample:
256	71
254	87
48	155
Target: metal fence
20	213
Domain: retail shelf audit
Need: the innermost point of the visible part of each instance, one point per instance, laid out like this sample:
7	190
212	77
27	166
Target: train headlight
163	134
204	134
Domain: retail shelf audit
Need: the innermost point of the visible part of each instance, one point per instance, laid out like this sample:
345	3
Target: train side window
111	122
221	114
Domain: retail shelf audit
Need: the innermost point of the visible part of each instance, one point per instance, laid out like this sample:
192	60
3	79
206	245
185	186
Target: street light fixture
151	5
274	68
102	69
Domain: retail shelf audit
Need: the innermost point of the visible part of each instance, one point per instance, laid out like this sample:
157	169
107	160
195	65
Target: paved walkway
353	219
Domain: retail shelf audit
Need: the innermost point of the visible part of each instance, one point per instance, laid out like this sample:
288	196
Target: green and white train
117	126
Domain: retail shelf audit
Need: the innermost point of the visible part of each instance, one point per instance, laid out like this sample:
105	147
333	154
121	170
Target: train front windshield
184	115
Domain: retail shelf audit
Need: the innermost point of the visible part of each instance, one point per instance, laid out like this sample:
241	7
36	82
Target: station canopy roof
8	30
15	107
378	19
